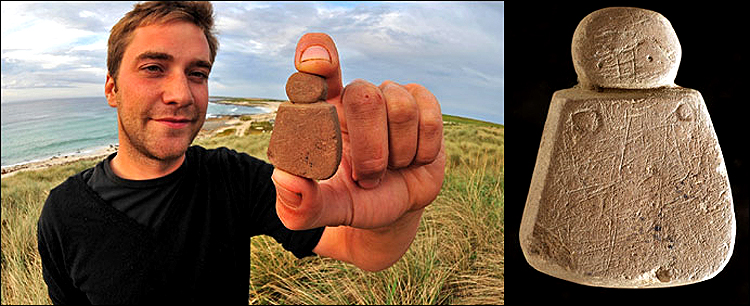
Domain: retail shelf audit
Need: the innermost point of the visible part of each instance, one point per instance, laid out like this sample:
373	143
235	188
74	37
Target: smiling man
161	221
161	95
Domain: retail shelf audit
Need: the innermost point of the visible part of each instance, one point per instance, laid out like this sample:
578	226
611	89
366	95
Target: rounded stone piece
625	47
306	88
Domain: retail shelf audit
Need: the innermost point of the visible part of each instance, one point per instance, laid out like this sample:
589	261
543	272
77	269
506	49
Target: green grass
246	100
23	195
450	119
456	257
226	132
259	127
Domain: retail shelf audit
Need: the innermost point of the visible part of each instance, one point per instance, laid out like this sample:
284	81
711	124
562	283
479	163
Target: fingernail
315	53
288	198
369	184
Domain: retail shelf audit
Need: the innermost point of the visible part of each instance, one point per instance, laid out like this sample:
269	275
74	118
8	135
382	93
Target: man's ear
110	91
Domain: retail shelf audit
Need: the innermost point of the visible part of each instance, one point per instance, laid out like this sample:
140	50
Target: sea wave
81	152
63	143
221	109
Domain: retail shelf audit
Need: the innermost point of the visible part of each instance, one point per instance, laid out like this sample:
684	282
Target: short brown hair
199	13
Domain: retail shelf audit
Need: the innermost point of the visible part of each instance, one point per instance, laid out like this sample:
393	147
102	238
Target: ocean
40	129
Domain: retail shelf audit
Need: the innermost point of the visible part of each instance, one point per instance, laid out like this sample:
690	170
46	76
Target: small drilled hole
649	58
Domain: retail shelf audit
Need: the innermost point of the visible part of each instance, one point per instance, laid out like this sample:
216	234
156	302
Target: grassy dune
456	258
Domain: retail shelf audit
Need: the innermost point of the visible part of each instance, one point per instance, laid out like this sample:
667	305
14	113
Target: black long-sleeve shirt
197	250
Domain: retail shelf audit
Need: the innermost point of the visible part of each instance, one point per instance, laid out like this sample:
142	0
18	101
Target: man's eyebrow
201	63
155	55
168	57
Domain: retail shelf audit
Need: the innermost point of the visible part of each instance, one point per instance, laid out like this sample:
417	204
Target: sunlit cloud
455	49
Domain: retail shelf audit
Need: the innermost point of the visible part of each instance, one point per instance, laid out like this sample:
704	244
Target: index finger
366	124
316	53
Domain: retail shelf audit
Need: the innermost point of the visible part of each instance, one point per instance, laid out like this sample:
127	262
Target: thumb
316	53
297	201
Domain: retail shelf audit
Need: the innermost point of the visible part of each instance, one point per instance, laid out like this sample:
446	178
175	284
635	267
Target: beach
214	126
211	127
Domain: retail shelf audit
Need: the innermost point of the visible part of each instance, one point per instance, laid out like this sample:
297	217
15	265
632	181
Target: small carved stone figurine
630	189
306	137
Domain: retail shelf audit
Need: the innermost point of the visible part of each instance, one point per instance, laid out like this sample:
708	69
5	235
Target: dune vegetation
456	258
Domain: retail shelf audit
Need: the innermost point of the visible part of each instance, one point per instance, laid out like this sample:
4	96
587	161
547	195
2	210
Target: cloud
455	49
55	45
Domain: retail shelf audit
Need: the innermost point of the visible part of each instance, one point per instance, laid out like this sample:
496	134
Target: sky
454	49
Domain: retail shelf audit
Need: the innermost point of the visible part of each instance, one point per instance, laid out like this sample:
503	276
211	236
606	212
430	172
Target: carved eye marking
684	112
586	121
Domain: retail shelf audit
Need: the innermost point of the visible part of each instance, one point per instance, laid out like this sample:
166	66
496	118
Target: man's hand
392	165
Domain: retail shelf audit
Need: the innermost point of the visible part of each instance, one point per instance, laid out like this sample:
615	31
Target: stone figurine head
625	47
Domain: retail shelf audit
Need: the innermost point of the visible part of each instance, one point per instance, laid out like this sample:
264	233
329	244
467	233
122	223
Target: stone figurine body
306	137
630	189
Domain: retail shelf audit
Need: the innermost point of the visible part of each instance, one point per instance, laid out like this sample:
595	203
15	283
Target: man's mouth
174	122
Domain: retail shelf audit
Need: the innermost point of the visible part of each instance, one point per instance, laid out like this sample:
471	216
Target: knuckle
423	96
386	84
425	157
431	127
400	162
371	167
400	105
402	110
402	147
362	97
430	134
414	88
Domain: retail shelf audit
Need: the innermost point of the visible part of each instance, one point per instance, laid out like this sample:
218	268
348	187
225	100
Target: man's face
161	93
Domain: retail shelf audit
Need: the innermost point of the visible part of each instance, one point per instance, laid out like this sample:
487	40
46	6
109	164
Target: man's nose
177	90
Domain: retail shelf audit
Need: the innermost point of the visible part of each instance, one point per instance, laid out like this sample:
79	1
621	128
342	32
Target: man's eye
152	68
199	75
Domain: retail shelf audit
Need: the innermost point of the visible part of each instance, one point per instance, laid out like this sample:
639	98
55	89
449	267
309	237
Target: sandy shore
214	126
99	153
211	127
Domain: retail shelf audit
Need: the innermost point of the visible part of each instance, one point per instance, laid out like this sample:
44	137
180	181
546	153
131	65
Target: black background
714	40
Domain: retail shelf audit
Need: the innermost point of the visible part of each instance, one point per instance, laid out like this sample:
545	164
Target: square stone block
306	140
